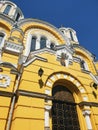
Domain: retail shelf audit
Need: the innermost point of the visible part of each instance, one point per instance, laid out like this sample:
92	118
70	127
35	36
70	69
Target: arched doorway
64	114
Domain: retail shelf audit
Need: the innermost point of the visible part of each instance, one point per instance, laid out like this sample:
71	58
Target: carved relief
64	57
4	80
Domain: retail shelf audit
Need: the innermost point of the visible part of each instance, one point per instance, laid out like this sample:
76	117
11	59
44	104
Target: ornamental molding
31	20
95	78
47	107
12	47
8	65
58	51
15	27
6	18
35	57
82	48
64	56
77	59
40	51
4	80
65	47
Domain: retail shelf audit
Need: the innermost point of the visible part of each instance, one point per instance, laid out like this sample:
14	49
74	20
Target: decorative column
86	114
47	123
37	43
48	43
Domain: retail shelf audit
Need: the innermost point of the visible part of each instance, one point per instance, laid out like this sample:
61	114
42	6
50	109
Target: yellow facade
45	76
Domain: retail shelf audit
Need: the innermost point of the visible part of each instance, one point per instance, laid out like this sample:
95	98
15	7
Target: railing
15	48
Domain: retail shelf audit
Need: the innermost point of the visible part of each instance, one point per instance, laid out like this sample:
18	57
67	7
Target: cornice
42	51
58	47
6	94
6	18
8	65
82	48
47	97
64	46
35	57
30	20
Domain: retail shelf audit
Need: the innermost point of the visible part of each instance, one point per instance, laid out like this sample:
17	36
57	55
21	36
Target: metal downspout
16	88
12	105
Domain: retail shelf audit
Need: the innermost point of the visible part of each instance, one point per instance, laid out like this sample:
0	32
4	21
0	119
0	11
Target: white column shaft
46	118
86	114
88	122
37	43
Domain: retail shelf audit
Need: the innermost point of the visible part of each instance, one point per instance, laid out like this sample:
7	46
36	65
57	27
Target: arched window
1	38
83	65
43	42
33	43
7	9
17	16
71	35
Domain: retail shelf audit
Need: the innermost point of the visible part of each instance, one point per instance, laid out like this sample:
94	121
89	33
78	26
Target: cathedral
48	81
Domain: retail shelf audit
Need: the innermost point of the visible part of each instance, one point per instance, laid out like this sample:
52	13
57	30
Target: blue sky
81	15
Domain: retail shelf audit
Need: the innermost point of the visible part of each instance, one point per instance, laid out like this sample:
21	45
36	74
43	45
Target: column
86	114
48	43
37	43
47	123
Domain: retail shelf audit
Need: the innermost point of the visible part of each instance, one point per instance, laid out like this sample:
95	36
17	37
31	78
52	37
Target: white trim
2	43
48	92
37	43
28	44
49	84
33	59
84	64
47	109
53	78
86	114
13	47
94	78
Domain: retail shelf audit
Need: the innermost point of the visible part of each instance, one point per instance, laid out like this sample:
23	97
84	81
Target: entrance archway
64	113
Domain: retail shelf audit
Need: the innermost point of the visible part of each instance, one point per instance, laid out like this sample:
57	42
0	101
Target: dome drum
7	8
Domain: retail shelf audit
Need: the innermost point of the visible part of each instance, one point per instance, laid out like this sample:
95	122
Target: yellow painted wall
96	64
28	112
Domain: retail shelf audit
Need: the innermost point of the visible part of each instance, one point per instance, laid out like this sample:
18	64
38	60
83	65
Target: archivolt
69	78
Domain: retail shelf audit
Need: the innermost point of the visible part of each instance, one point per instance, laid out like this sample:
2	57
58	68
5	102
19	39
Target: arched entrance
64	114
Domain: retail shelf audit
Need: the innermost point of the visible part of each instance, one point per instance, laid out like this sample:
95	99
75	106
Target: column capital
86	112
47	107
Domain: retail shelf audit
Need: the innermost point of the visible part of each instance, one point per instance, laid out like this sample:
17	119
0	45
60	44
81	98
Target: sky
81	15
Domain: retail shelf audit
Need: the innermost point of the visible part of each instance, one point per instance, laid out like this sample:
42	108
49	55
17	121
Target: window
33	43
83	65
71	35
7	9
42	42
1	38
17	16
